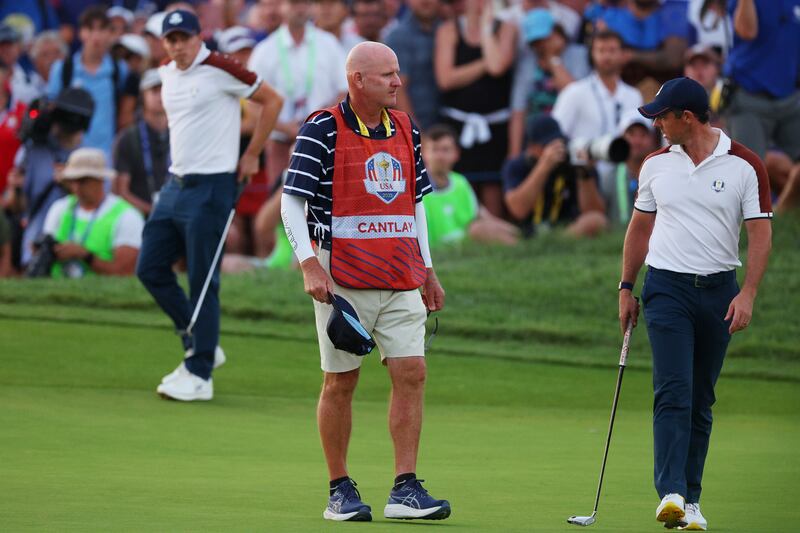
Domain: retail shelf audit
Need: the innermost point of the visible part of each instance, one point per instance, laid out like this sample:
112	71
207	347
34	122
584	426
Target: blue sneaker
409	501
345	504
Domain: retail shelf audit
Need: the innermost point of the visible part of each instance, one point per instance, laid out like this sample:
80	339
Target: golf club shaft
210	275
623	357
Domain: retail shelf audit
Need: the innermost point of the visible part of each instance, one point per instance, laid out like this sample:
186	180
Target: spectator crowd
527	109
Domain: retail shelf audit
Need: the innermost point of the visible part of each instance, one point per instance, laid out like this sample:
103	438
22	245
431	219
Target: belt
192	180
698	280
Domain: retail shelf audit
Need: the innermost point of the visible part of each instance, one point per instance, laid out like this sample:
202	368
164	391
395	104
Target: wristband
625	285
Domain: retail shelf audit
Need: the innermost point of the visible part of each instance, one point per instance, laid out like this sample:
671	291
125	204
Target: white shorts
395	319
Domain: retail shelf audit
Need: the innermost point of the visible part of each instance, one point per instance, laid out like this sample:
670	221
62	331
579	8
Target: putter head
581	520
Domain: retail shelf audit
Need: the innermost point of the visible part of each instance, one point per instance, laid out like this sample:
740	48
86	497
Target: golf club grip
626	340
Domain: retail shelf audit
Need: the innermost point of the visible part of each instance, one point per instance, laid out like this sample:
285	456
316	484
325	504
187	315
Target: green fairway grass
87	445
520	385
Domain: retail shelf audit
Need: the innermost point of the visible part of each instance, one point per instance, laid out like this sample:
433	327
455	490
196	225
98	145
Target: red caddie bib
373	225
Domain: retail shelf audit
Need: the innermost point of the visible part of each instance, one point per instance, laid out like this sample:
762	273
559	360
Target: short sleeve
312	158
128	231
645	201
513	174
54	215
674	20
756	198
422	184
234	78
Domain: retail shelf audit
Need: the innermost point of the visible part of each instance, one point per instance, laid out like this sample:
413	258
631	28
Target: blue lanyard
147	156
92	220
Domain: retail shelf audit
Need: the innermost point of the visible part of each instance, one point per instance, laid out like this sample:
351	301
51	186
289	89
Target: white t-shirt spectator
127	232
587	109
309	75
204	112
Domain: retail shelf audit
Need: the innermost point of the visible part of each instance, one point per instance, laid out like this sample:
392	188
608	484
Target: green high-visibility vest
96	235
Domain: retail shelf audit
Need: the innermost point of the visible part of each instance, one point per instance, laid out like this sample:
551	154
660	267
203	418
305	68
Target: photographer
52	130
94	232
543	189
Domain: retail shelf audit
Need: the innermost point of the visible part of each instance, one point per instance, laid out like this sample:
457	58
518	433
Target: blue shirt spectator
648	33
412	40
770	63
100	85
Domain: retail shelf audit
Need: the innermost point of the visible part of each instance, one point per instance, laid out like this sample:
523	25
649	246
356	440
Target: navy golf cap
180	20
345	331
542	129
678	93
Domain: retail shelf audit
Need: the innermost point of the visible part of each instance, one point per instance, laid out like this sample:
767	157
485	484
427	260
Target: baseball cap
121	12
87	163
235	39
180	20
345	331
677	93
542	129
8	34
702	50
537	24
135	43
631	117
150	78
154	23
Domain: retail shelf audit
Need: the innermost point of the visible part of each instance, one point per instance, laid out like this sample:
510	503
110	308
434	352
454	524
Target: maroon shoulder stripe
659	152
764	197
231	66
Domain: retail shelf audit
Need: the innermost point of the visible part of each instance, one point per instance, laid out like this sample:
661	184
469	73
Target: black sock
335	483
402	478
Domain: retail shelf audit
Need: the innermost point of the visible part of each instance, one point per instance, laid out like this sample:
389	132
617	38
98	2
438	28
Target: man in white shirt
693	196
201	92
306	66
97	233
592	107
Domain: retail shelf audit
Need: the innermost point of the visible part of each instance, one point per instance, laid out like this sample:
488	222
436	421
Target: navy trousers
188	221
689	337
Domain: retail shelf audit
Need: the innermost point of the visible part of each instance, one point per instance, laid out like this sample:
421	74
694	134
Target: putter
240	187
623	357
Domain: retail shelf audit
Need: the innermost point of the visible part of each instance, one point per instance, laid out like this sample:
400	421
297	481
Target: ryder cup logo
384	177
175	19
718	185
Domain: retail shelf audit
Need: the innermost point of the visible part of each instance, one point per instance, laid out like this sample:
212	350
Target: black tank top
487	93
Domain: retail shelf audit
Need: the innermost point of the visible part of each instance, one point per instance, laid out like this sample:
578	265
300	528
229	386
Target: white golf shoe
671	511
219	360
695	521
186	387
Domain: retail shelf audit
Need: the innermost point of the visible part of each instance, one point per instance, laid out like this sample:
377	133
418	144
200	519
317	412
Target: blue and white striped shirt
310	173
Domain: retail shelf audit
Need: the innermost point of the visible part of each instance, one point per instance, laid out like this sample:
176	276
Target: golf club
623	356
220	246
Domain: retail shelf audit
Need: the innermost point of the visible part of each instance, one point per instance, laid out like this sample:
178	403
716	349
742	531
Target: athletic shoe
186	387
695	521
671	511
219	360
345	504
409	500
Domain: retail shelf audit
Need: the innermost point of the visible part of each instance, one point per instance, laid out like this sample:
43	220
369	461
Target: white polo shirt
587	109
308	75
700	208
204	113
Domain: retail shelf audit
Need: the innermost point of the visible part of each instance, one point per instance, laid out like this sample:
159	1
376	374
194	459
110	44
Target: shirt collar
722	148
358	125
201	56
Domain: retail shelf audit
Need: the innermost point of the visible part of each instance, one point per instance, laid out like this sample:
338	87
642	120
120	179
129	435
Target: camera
605	148
72	111
43	258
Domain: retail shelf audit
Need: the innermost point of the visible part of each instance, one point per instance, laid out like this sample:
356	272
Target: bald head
369	56
373	75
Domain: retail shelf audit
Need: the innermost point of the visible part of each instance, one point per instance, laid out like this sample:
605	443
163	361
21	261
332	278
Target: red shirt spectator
10	121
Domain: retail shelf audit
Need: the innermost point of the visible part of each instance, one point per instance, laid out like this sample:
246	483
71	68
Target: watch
625	285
